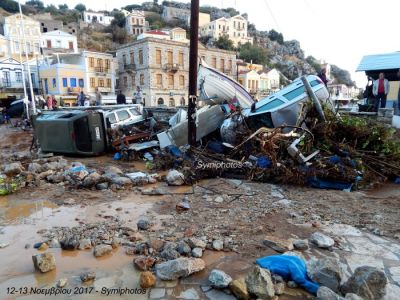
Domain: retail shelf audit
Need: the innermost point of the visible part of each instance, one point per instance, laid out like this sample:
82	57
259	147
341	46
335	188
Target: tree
131	7
155	21
62	6
231	11
119	19
80	7
9	5
119	34
36	4
52	9
276	36
223	42
256	54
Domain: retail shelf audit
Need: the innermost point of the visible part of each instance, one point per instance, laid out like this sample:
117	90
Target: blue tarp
290	268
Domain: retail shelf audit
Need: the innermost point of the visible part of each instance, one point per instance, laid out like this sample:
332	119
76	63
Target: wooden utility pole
193	63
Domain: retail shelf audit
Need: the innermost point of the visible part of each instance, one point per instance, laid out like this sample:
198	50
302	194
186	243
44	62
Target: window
16	46
160	101
181	59
132	57
18	76
134	112
125	81
158	56
169	57
101	82
107	61
81	83
92	82
141	57
182	101
171	80
37	47
181	80
99	62
65	82
159	79
124	59
230	65
91	62
141	79
111	117
123	115
270	105
214	62
54	82
133	80
72	82
108	82
171	102
222	64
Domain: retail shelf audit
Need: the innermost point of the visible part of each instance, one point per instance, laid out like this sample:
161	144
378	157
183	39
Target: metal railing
171	67
130	67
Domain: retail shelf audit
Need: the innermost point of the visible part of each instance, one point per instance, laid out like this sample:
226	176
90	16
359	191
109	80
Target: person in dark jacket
322	76
121	99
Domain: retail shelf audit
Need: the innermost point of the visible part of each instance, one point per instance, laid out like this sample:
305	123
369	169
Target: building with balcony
59	42
11	75
11	28
235	28
68	74
260	83
160	68
174	13
91	17
135	23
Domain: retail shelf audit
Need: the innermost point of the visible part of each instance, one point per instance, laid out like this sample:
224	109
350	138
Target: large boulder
180	267
101	250
44	262
326	271
197	243
321	240
147	280
239	288
219	279
259	283
12	169
366	282
278	244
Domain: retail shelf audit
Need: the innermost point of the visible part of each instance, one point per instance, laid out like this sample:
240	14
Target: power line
272	15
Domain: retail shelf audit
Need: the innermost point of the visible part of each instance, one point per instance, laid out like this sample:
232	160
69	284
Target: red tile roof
156	32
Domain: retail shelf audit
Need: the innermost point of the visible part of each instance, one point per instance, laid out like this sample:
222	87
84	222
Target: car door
123	116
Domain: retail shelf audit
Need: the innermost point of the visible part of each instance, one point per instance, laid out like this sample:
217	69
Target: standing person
54	101
137	96
322	76
99	97
49	102
380	90
121	99
81	99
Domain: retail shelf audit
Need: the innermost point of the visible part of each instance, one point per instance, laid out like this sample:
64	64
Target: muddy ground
239	212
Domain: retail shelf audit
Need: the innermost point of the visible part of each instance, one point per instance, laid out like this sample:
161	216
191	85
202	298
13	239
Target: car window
111	118
314	83
134	112
123	115
295	93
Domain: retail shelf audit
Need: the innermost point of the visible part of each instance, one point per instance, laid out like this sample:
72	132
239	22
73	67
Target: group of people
84	100
51	102
137	97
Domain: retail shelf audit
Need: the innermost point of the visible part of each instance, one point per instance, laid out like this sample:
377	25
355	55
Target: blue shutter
81	83
72	81
65	82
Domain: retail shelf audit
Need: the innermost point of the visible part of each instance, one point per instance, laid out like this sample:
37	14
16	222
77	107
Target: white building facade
135	22
235	28
59	41
96	17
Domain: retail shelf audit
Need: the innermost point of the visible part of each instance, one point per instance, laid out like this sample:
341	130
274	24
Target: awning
380	62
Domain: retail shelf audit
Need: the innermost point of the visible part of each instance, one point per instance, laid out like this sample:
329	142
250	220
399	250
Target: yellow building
11	28
68	74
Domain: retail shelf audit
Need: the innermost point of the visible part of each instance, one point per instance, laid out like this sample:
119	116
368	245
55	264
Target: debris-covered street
229	223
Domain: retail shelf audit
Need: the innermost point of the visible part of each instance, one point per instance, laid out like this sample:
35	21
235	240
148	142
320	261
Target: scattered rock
101	250
102	186
183	248
175	177
43	247
219	279
121	181
157	245
197	252
169	253
85	244
69	201
321	240
300	244
62	283
326	271
197	243
143	223
367	282
219	199
87	276
115	242
35	167
278	244
69	243
218	245
136	236
44	262
180	267
92	179
147	280
239	288
259	283
13	169
325	293
113	170
279	288
144	263
292	284
351	296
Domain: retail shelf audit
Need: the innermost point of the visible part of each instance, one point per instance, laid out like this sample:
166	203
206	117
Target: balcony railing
130	67
171	67
101	69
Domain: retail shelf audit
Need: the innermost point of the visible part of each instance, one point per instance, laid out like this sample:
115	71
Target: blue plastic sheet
264	162
290	268
326	184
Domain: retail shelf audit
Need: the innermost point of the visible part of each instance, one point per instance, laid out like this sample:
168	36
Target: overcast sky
339	31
